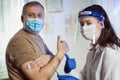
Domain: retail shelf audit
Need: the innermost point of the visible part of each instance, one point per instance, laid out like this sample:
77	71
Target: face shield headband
92	13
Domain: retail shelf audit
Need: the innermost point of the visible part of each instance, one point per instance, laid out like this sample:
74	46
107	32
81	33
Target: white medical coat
102	64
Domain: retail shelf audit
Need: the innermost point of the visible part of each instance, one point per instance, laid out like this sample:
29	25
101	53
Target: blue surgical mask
33	25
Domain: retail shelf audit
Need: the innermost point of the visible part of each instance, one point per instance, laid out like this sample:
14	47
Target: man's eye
39	15
30	15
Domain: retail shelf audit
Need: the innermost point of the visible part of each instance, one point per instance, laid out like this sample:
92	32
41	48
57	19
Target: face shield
95	14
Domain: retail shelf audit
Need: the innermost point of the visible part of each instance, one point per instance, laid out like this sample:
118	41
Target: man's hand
62	48
40	62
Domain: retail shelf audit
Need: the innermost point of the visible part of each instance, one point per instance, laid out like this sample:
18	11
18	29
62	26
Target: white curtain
1	16
112	8
10	12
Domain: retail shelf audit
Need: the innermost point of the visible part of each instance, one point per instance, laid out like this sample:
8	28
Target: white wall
11	21
78	50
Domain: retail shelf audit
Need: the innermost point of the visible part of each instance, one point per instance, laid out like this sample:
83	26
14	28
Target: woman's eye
89	23
81	24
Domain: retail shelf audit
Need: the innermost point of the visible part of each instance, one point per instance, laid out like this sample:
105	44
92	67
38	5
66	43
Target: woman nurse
103	59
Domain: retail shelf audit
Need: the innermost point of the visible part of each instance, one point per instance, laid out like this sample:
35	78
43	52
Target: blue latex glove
66	77
70	64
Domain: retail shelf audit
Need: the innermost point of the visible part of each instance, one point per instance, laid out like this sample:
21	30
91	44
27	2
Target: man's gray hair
32	3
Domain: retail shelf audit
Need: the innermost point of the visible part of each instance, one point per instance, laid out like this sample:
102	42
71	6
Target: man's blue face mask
34	25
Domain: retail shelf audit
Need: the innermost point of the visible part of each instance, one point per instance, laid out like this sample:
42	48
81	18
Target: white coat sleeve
111	65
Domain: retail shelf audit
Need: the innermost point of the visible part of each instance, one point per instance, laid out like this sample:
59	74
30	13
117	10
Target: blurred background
60	19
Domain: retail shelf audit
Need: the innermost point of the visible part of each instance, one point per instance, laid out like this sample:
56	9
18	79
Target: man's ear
22	18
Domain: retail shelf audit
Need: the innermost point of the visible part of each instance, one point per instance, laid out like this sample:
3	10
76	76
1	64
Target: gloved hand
66	77
70	64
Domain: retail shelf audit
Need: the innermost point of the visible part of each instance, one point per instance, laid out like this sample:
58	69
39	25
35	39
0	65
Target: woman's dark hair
29	4
108	35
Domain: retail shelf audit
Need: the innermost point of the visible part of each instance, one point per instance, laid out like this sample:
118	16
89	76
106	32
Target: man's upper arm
31	74
24	53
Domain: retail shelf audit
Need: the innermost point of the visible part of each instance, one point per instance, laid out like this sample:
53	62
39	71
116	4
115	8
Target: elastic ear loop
93	37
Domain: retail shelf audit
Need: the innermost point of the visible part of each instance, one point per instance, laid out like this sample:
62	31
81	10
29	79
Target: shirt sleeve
23	51
83	73
48	51
111	65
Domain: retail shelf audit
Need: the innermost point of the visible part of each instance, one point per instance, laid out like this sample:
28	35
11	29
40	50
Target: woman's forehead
88	18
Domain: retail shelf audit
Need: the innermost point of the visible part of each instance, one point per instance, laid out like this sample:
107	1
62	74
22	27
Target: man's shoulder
17	36
21	33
